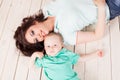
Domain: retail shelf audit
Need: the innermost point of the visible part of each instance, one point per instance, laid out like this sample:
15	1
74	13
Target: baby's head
53	43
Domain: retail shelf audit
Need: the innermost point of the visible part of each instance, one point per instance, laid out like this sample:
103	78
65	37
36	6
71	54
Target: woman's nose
39	36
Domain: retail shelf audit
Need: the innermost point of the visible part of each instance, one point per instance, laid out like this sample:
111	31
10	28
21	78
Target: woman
68	21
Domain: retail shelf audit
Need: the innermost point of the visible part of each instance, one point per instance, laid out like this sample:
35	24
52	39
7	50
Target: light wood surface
14	66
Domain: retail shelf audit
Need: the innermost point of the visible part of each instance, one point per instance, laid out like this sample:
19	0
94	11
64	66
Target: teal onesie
59	67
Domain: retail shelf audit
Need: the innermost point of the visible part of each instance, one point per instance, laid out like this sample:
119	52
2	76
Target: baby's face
52	45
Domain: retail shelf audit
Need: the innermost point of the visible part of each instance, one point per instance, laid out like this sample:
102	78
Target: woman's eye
48	46
55	45
32	33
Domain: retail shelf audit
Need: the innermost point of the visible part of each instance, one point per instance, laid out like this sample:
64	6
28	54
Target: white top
71	16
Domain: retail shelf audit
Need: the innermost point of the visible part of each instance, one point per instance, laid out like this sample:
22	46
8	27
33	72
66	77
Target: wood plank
10	62
1	1
9	26
4	42
94	68
35	6
4	9
11	55
100	68
91	69
81	49
22	65
91	66
115	48
22	68
44	2
4	45
29	77
104	64
80	67
34	73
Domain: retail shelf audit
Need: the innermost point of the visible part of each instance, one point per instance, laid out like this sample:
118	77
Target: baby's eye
48	46
55	45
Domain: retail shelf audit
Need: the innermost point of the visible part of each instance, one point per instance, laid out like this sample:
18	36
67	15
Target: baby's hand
34	56
37	54
100	53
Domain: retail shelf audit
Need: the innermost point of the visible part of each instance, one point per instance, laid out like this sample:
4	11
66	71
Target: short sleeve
38	62
73	57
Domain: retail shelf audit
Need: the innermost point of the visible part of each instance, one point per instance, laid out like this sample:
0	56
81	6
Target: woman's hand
34	56
99	3
100	53
93	55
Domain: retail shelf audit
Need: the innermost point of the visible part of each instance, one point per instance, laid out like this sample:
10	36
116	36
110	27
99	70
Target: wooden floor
14	66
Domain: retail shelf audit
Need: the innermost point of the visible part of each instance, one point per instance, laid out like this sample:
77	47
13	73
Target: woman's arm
83	37
86	57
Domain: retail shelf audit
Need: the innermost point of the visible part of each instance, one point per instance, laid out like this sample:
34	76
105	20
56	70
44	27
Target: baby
57	62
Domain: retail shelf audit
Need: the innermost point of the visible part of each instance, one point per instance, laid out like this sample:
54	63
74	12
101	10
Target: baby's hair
56	34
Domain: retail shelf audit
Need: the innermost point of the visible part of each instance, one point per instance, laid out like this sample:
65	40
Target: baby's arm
34	56
85	57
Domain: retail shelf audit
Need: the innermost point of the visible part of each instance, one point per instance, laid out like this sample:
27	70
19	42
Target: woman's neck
50	23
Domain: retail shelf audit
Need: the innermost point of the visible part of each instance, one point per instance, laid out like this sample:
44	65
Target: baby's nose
51	47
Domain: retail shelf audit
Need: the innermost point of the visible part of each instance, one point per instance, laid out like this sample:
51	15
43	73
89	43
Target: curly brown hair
21	43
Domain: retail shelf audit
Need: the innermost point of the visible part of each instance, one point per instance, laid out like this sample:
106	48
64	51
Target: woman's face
36	33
